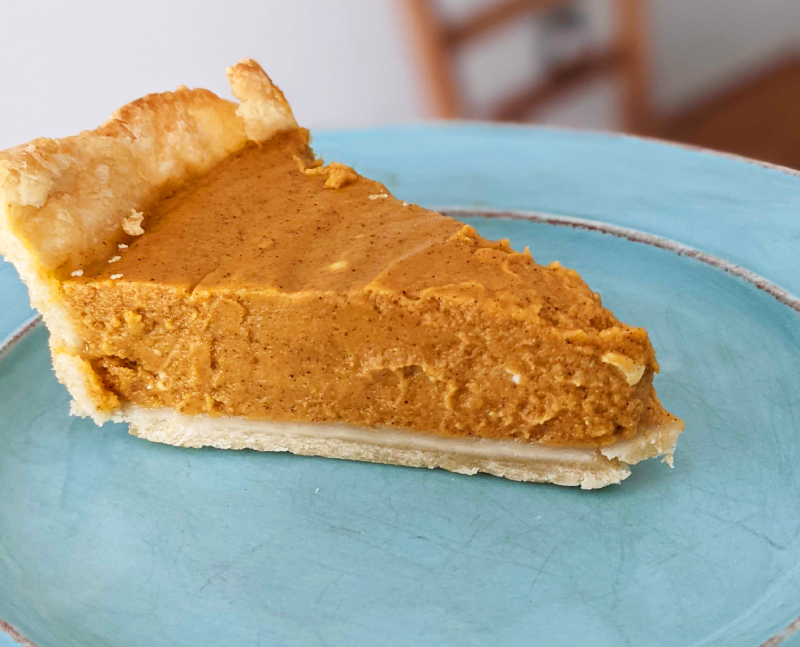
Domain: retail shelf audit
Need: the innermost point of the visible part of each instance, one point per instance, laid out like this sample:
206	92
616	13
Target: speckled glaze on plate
108	540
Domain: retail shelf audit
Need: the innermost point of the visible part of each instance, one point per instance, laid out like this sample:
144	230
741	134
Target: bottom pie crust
589	468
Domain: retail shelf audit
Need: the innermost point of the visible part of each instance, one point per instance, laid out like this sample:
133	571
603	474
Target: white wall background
67	64
342	63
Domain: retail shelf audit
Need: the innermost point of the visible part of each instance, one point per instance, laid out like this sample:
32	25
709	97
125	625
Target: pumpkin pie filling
264	290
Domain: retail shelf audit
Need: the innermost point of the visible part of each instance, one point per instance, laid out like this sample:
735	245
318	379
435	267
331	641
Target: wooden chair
438	42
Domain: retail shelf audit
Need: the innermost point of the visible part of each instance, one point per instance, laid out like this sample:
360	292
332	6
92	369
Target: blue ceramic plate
108	540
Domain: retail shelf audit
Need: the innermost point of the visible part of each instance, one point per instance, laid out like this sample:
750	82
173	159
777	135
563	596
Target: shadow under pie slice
207	279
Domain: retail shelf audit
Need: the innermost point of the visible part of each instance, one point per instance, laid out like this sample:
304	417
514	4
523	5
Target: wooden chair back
438	42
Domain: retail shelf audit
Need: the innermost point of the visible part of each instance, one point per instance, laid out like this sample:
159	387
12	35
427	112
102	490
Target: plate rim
525	127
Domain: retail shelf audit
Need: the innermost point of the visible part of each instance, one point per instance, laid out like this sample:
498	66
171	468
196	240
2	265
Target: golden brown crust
264	110
66	198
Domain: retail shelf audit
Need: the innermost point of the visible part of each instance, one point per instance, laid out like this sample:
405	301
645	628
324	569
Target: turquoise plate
108	540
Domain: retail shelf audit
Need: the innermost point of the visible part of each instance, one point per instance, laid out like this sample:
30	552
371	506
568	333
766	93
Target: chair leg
632	44
435	58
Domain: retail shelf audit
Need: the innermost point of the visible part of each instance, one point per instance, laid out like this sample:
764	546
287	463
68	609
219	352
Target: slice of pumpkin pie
208	280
